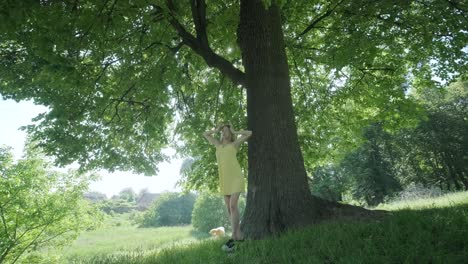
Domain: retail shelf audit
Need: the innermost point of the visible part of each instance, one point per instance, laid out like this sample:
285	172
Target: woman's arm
245	134
209	136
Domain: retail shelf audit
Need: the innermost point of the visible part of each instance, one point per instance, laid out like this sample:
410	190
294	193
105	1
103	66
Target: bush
40	207
210	212
37	257
117	206
328	182
169	209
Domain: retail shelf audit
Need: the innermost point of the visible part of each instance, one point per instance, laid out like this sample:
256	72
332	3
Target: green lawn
451	199
119	236
424	231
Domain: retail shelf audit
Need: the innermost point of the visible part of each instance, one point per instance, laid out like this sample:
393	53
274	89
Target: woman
231	180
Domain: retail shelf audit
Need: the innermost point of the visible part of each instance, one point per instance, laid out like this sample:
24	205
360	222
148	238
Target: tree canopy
123	79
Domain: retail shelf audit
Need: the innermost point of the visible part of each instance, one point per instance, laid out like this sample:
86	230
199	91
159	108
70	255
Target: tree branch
29	244
199	18
320	18
391	69
5	227
54	236
200	45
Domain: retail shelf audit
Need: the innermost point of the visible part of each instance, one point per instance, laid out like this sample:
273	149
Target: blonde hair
233	137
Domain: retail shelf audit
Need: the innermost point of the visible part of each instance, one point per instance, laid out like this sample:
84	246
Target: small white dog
217	232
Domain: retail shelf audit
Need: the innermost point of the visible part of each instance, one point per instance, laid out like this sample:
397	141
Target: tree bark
278	196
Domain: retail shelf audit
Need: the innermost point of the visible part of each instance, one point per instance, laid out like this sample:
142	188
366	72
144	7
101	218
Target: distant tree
95	196
370	170
39	207
435	150
146	199
142	193
170	209
117	206
128	194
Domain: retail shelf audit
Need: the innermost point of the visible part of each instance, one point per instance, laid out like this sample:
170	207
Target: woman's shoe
228	246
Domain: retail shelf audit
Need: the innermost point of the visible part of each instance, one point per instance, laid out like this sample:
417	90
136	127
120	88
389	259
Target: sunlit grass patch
119	237
450	199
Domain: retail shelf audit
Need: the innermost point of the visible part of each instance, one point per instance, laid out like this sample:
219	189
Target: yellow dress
231	179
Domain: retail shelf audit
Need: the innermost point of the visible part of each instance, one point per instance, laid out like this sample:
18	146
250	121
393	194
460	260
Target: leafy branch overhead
199	43
123	80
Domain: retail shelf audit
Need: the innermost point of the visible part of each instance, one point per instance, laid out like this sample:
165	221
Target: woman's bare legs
234	215
227	199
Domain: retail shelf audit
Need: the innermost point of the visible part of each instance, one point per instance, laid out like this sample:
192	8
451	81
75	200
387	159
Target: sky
13	115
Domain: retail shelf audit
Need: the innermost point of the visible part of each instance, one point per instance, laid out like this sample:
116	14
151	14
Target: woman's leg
234	210
227	199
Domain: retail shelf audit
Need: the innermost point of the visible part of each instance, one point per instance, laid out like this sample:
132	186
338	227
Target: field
119	236
420	231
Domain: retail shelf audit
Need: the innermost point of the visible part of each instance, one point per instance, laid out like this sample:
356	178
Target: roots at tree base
315	212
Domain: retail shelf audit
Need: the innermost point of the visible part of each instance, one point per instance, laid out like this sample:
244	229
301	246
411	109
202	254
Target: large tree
119	75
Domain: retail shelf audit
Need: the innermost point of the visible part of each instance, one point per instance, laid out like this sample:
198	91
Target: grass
446	200
420	231
119	236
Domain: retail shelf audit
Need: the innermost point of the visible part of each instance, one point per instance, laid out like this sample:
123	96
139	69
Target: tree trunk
278	195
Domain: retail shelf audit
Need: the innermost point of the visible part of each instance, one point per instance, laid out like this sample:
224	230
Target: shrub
117	206
210	212
169	210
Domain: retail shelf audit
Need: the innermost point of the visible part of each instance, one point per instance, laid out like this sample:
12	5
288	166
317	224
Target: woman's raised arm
245	134
209	136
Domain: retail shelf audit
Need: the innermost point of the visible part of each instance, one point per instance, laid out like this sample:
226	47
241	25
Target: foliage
438	144
137	81
128	194
329	182
432	153
371	172
355	65
95	196
39	207
209	212
142	193
127	200
170	209
435	152
118	206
